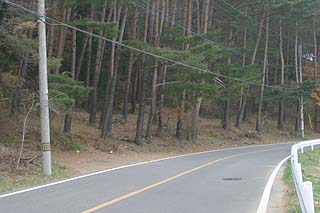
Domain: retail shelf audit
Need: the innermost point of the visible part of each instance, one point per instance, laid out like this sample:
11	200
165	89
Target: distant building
311	57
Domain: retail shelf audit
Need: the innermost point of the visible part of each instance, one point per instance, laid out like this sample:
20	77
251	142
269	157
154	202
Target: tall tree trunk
135	95
253	60
259	124
107	127
301	96
315	69
52	29
281	104
297	74
67	122
74	54
255	50
195	118
179	132
161	98
130	65
140	120
174	12
198	16
243	101
97	68
143	92
153	102
89	54
206	16
63	33
226	114
155	79
16	102
212	11
81	57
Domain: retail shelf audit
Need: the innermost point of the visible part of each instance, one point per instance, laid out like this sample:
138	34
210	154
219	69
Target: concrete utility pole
43	87
301	97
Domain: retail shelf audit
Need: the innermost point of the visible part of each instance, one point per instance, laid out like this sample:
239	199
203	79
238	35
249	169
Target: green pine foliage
66	93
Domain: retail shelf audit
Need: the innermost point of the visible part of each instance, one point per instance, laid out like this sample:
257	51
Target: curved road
222	181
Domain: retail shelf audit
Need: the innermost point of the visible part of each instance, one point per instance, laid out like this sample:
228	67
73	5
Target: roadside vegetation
30	177
310	162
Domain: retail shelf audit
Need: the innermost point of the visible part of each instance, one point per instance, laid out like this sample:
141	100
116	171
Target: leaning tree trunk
259	124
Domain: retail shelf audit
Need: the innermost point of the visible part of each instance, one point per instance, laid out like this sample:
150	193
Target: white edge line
263	205
126	166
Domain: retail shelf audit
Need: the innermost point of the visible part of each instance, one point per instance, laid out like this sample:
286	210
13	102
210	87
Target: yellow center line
131	194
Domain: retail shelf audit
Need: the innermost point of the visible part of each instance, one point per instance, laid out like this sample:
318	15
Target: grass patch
67	142
310	162
293	202
31	177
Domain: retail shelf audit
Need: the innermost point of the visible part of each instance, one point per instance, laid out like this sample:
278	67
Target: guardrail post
308	196
295	156
304	189
298	171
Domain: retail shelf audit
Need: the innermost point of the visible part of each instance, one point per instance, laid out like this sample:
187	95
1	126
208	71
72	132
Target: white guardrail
304	189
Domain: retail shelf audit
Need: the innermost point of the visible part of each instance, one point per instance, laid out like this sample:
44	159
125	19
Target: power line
275	32
147	8
204	37
143	51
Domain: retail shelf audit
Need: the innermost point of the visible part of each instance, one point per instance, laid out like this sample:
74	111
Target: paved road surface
222	181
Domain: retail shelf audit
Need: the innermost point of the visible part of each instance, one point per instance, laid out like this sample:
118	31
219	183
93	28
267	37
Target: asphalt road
222	181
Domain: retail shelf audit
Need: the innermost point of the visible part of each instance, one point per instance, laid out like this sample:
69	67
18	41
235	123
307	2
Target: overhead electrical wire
12	4
254	21
150	10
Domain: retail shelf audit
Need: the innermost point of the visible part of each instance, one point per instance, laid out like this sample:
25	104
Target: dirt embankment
83	150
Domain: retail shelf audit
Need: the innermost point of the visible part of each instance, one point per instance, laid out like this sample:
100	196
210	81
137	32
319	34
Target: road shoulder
278	197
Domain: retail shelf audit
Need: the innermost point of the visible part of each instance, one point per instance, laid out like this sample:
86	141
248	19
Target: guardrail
304	189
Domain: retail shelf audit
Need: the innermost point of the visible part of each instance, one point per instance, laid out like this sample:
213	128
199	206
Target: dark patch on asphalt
232	179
